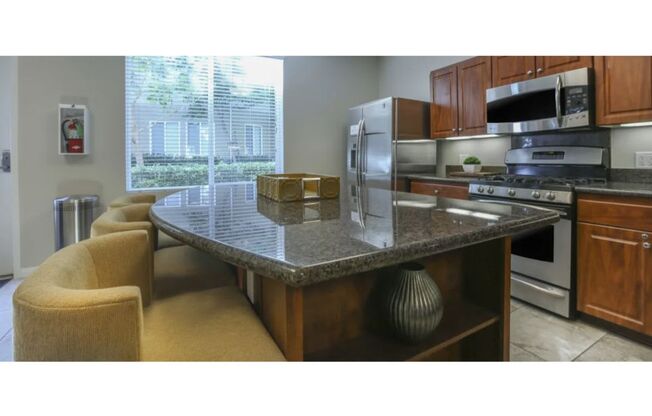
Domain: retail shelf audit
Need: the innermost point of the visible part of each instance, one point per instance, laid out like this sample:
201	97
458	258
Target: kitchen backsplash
631	175
491	151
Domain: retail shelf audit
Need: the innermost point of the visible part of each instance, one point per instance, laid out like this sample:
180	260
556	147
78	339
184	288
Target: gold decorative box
285	187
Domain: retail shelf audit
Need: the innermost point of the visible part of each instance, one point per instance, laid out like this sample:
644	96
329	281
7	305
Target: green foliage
472	160
168	175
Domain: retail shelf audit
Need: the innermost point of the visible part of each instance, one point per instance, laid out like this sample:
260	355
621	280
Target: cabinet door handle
460	129
436	191
529	73
646	245
454	129
539	70
644	236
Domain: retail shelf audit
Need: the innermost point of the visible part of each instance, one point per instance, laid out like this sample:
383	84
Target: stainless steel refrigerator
387	139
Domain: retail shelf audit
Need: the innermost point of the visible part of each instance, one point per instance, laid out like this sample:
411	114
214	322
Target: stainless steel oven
542	261
555	102
542	265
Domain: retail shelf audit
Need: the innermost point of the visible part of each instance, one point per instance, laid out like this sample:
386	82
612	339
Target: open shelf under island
314	271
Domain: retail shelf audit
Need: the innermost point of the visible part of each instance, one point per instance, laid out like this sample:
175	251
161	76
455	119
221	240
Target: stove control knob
490	190
511	192
536	194
481	189
551	196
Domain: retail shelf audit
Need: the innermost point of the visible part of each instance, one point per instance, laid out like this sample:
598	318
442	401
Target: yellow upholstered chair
129	199
176	269
164	240
126	218
85	303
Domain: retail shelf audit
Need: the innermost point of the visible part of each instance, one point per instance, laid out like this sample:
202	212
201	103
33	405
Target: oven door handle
562	214
550	292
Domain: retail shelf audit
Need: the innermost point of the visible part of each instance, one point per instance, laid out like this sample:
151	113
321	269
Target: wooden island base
340	319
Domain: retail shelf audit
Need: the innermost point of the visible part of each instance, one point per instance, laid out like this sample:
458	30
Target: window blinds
202	120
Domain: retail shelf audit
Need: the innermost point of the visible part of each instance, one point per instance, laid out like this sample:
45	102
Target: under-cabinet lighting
480	136
639	124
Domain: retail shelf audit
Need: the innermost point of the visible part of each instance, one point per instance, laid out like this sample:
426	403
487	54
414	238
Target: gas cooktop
534	181
530	187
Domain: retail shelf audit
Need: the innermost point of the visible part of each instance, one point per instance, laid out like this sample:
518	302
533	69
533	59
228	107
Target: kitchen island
315	270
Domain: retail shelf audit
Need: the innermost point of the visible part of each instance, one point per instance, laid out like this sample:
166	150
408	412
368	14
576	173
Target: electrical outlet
463	156
644	160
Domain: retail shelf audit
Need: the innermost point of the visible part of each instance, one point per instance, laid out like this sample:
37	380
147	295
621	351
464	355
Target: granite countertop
618	189
435	178
302	243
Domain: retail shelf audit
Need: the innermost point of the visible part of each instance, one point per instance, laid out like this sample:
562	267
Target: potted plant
472	164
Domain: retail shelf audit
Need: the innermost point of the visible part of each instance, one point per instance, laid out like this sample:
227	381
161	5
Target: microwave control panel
576	99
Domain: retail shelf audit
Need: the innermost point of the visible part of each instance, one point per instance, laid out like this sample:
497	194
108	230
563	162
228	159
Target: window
253	139
202	120
164	138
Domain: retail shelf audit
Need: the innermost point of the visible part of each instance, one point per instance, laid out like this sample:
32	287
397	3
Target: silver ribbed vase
413	303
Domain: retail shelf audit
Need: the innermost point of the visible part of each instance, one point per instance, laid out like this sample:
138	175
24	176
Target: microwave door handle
558	101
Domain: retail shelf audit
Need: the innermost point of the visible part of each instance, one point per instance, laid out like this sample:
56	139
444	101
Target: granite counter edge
320	272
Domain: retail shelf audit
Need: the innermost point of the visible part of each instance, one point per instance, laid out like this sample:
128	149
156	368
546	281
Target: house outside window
253	139
202	120
164	138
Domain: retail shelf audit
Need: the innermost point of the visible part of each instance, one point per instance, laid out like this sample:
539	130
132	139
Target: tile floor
536	336
6	333
539	336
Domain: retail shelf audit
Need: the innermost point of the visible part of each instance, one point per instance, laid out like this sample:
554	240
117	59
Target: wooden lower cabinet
437	189
342	319
613	275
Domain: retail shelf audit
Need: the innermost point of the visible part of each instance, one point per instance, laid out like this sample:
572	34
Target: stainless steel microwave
554	102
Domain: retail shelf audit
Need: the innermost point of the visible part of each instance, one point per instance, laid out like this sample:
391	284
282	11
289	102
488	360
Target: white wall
43	83
409	76
625	142
8	73
317	93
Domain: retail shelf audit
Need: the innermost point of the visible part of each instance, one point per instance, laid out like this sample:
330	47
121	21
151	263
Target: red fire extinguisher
73	133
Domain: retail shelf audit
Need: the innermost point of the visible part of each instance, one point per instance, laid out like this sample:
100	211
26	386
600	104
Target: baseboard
23	272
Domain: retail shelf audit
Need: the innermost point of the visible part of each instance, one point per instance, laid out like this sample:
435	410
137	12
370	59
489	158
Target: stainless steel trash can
73	216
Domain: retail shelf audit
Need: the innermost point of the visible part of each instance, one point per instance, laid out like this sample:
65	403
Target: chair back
127	218
129	199
84	303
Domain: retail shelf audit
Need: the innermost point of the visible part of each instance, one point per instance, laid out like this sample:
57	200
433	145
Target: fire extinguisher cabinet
73	129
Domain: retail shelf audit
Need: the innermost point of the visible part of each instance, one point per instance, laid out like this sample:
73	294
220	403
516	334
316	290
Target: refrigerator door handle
363	149
358	171
358	153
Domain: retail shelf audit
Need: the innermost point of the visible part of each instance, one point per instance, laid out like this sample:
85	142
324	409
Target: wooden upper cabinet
549	65
443	110
414	119
623	89
613	268
508	69
474	77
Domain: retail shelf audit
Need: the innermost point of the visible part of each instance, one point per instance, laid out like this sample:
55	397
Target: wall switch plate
462	157
5	165
644	160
